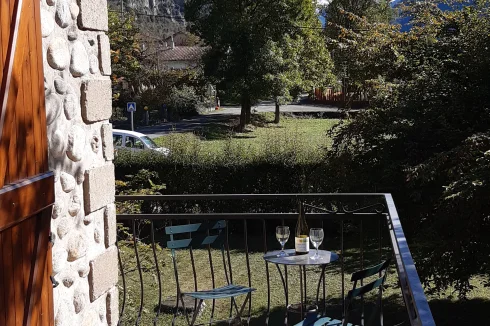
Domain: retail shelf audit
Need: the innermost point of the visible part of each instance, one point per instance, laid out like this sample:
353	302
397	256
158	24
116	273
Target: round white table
302	261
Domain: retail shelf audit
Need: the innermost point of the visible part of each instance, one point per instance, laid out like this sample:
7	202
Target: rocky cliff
157	18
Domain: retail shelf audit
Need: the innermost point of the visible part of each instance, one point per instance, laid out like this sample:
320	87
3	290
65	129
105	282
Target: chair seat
228	291
318	320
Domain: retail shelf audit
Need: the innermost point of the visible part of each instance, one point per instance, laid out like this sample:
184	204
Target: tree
126	56
426	137
249	51
301	64
352	15
136	74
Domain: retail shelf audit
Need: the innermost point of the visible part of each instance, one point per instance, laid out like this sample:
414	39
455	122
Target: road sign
131	106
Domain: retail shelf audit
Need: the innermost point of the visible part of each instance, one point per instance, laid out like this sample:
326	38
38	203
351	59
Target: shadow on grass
216	131
260	120
394	313
461	312
445	312
241	136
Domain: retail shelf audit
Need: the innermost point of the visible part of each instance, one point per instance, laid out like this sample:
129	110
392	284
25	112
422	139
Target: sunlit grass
446	308
301	139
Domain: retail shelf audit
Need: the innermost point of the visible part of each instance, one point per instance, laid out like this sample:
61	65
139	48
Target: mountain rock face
174	8
157	18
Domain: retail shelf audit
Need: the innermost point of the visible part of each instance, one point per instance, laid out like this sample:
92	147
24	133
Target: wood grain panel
20	112
3	306
12	172
18	267
28	229
38	101
39	264
29	100
25	198
11	84
47	293
4	31
26	188
8	276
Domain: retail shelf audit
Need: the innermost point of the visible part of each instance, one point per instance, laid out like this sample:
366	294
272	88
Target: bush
184	101
182	175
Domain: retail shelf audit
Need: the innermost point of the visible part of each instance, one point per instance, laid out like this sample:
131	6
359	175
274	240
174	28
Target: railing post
412	291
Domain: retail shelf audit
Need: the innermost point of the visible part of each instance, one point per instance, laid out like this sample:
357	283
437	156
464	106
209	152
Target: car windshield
149	142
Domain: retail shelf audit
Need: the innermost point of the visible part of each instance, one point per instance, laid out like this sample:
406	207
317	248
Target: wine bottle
302	239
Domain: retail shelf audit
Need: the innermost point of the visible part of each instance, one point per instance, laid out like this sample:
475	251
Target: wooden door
26	186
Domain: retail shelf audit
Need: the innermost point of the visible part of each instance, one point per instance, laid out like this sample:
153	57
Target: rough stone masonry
76	56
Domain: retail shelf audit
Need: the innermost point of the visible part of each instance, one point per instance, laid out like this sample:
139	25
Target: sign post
131	106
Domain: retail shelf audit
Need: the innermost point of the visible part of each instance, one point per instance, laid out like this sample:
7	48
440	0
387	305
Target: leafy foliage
258	50
184	101
126	54
426	134
137	74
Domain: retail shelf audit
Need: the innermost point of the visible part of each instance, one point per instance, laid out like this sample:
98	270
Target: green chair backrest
365	273
198	235
363	289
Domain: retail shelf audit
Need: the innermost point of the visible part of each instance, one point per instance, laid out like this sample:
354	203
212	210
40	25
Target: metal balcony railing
369	223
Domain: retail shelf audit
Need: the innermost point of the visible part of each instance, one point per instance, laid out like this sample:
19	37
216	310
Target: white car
135	141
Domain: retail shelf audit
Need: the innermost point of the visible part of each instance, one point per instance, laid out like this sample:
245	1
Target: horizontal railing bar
407	273
240	216
199	197
418	308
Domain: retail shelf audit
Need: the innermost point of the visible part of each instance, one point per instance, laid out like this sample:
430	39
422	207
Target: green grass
446	308
258	280
303	138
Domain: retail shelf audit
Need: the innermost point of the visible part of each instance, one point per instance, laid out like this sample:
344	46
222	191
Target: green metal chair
313	319
199	235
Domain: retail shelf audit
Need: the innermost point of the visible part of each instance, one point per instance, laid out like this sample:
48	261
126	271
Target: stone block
93	15
107	143
96	100
103	273
113	307
79	63
110	227
77	247
99	187
104	54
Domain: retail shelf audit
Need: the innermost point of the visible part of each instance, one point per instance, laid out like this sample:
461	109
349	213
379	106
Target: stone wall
78	105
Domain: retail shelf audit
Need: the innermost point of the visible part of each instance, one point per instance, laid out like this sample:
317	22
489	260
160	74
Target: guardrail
344	209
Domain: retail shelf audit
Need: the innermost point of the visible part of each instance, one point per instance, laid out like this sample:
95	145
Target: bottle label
302	244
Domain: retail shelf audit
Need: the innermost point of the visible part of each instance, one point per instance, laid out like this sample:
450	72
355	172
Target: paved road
227	114
270	107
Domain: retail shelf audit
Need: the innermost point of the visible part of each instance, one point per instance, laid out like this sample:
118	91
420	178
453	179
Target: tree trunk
277	115
243	115
248	111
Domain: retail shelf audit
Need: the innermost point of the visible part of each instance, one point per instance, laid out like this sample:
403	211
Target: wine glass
316	237
282	235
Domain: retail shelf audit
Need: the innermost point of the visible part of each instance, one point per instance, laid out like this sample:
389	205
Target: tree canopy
259	50
426	134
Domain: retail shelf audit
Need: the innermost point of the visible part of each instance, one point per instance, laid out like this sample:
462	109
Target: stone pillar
78	104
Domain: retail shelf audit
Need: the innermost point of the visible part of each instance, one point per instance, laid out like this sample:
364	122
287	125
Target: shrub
184	101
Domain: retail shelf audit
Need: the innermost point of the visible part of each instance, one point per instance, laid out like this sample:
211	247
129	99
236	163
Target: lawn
303	138
446	308
394	309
